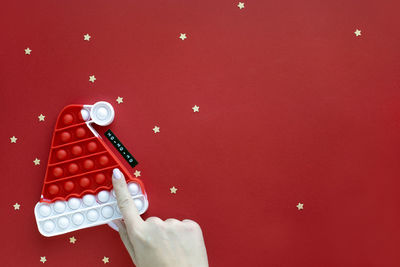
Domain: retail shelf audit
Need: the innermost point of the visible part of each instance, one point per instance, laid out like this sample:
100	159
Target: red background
293	108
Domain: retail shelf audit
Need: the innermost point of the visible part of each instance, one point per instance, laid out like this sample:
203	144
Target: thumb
125	202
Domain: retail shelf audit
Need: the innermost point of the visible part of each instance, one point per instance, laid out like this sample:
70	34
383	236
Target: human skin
154	242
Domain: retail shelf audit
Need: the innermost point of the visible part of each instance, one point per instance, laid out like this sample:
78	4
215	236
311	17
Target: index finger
124	199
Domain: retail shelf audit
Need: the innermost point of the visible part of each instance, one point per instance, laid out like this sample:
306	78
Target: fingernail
117	173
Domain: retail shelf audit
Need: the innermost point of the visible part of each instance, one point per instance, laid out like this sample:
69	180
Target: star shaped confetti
106	259
156	129
357	32
28	51
183	36
300	206
41	117
86	37
240	5
120	100
13	139
173	190
36	161
195	108
92	78
137	173
16	206
43	259
72	240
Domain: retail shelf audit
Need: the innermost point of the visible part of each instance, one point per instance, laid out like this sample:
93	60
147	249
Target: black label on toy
121	148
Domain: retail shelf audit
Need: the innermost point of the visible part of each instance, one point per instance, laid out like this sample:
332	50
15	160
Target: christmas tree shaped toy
77	191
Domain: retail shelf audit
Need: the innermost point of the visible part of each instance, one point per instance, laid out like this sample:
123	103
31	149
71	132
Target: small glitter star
92	78
173	190
86	37
13	139
183	36
195	108
120	100
16	206
36	161
41	117
156	129
137	173
300	206
72	240
357	32
28	51
105	259
43	259
241	5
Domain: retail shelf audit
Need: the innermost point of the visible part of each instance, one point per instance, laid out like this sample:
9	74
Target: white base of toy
63	217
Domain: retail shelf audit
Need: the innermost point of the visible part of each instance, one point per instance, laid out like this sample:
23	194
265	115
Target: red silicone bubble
61	154
84	182
103	160
92	146
80	163
80	132
69	186
76	150
88	164
58	172
65	137
100	178
53	189
73	168
68	119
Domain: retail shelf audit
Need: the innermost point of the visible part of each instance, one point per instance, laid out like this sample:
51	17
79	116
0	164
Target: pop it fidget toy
77	191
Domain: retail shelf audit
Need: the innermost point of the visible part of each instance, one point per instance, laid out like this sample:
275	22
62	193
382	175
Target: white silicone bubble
103	196
49	226
102	113
63	222
77	218
133	188
45	210
88	200
59	206
85	114
138	203
74	203
107	212
92	215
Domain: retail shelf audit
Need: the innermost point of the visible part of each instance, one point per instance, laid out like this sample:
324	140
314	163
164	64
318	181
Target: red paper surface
293	108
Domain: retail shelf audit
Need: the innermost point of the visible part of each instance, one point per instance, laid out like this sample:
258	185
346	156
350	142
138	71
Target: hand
154	242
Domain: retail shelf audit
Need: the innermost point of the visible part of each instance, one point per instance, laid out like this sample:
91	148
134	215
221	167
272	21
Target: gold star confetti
43	259
300	206
120	100
105	259
357	32
86	37
13	139
240	5
28	51
183	36
195	108
173	190
36	161
92	78
41	117
156	129
16	206
137	173
72	240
